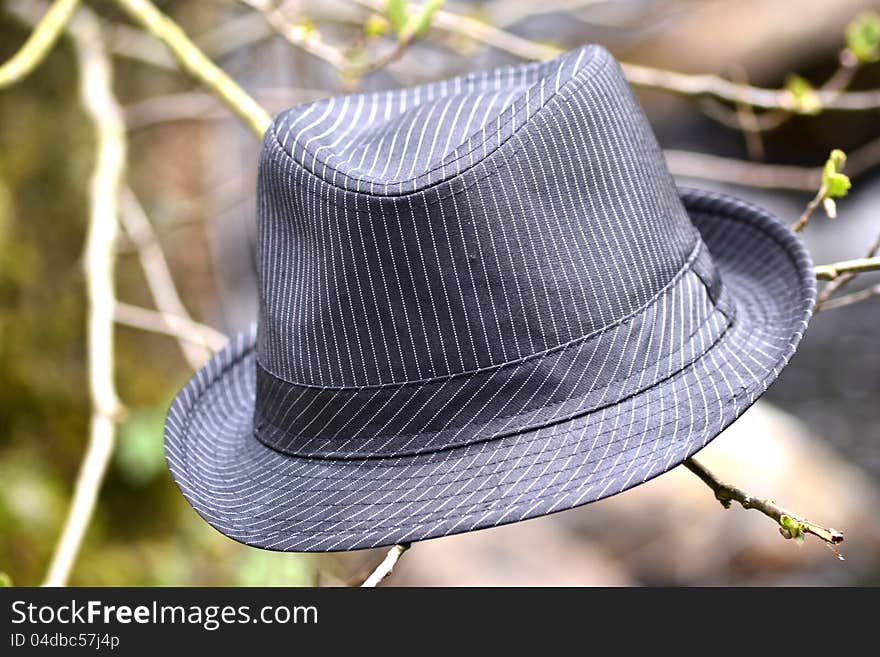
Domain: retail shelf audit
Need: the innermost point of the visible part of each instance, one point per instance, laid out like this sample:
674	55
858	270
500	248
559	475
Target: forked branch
106	115
196	63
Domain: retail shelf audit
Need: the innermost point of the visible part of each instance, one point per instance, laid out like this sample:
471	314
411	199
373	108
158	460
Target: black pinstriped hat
481	300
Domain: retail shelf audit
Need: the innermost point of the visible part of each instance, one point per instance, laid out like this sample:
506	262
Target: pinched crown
455	227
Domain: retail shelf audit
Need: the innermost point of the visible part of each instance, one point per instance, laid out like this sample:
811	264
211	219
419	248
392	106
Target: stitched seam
605	472
513	431
609	418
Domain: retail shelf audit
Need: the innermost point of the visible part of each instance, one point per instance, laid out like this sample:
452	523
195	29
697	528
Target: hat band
660	339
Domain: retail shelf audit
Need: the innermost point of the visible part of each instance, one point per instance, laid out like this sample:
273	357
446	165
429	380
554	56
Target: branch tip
791	526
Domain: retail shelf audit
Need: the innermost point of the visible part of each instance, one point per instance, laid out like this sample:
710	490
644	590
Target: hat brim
268	499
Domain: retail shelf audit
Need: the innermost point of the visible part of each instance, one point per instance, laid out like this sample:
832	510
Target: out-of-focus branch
186	331
769	176
482	32
204	106
857	266
742	172
822	299
385	568
130	42
648	77
851	298
308	39
685	84
790	525
510	12
39	43
193	61
158	274
747	121
106	114
836	84
814	203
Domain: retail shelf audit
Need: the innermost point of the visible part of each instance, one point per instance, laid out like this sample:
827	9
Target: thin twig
814	203
312	42
683	84
235	33
851	298
857	266
790	524
841	281
106	114
158	274
131	42
39	43
747	120
509	12
193	61
690	164
309	40
768	176
183	328
837	83
356	70
384	569
204	106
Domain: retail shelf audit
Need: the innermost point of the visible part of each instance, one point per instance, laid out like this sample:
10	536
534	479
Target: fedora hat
481	300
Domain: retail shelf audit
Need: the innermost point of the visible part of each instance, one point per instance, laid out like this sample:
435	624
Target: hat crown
458	226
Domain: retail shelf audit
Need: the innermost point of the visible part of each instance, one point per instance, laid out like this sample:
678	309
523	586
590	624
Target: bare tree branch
790	525
182	328
851	298
384	569
857	266
106	114
837	83
814	203
838	283
768	176
648	77
742	172
39	43
510	12
309	40
193	61
158	275
205	106
130	42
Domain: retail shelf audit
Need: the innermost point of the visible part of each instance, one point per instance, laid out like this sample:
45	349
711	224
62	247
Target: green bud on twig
791	528
376	26
407	26
801	95
398	14
420	22
835	182
863	37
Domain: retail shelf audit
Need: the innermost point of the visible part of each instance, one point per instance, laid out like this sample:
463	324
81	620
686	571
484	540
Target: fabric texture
481	300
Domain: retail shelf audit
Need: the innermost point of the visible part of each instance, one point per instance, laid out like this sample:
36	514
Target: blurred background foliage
195	175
